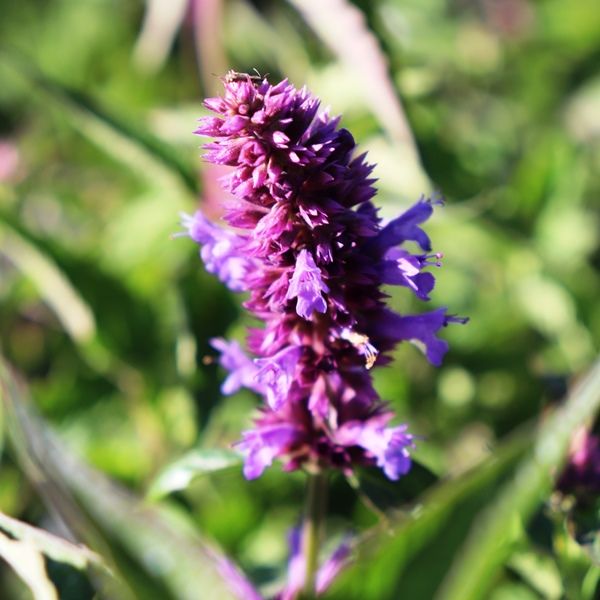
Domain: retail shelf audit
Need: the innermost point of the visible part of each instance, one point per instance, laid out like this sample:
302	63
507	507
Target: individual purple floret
306	244
221	252
307	285
242	370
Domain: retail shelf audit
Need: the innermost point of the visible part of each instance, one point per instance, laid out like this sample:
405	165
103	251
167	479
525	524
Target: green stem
316	497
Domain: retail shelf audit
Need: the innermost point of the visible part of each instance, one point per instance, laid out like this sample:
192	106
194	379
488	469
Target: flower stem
316	497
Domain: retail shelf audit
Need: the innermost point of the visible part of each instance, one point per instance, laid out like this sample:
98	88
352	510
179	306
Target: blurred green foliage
108	319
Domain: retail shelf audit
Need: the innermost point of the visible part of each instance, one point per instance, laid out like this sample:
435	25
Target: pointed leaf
178	475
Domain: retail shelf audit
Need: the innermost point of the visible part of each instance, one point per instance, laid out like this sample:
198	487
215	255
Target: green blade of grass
71	310
54	547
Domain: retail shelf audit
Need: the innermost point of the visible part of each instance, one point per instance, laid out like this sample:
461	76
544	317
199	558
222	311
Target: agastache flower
305	242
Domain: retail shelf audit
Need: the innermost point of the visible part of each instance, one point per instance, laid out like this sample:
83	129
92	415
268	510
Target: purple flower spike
307	285
308	248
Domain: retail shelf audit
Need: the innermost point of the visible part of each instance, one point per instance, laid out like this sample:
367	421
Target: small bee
362	344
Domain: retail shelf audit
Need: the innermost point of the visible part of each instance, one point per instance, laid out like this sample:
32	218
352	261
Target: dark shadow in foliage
388	495
210	310
127	324
70	583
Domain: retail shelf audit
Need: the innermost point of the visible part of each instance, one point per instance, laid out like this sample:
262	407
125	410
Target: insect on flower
231	76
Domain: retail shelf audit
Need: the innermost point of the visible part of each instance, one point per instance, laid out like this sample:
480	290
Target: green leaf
540	571
154	551
178	475
410	551
577	548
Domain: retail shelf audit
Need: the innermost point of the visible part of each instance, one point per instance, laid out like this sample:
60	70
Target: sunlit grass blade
28	563
57	291
143	153
71	310
54	547
154	549
487	545
162	21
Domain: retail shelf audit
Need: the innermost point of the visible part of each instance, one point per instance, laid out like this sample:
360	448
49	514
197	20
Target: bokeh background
493	103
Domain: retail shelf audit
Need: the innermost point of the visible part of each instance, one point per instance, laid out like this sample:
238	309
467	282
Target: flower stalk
312	531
